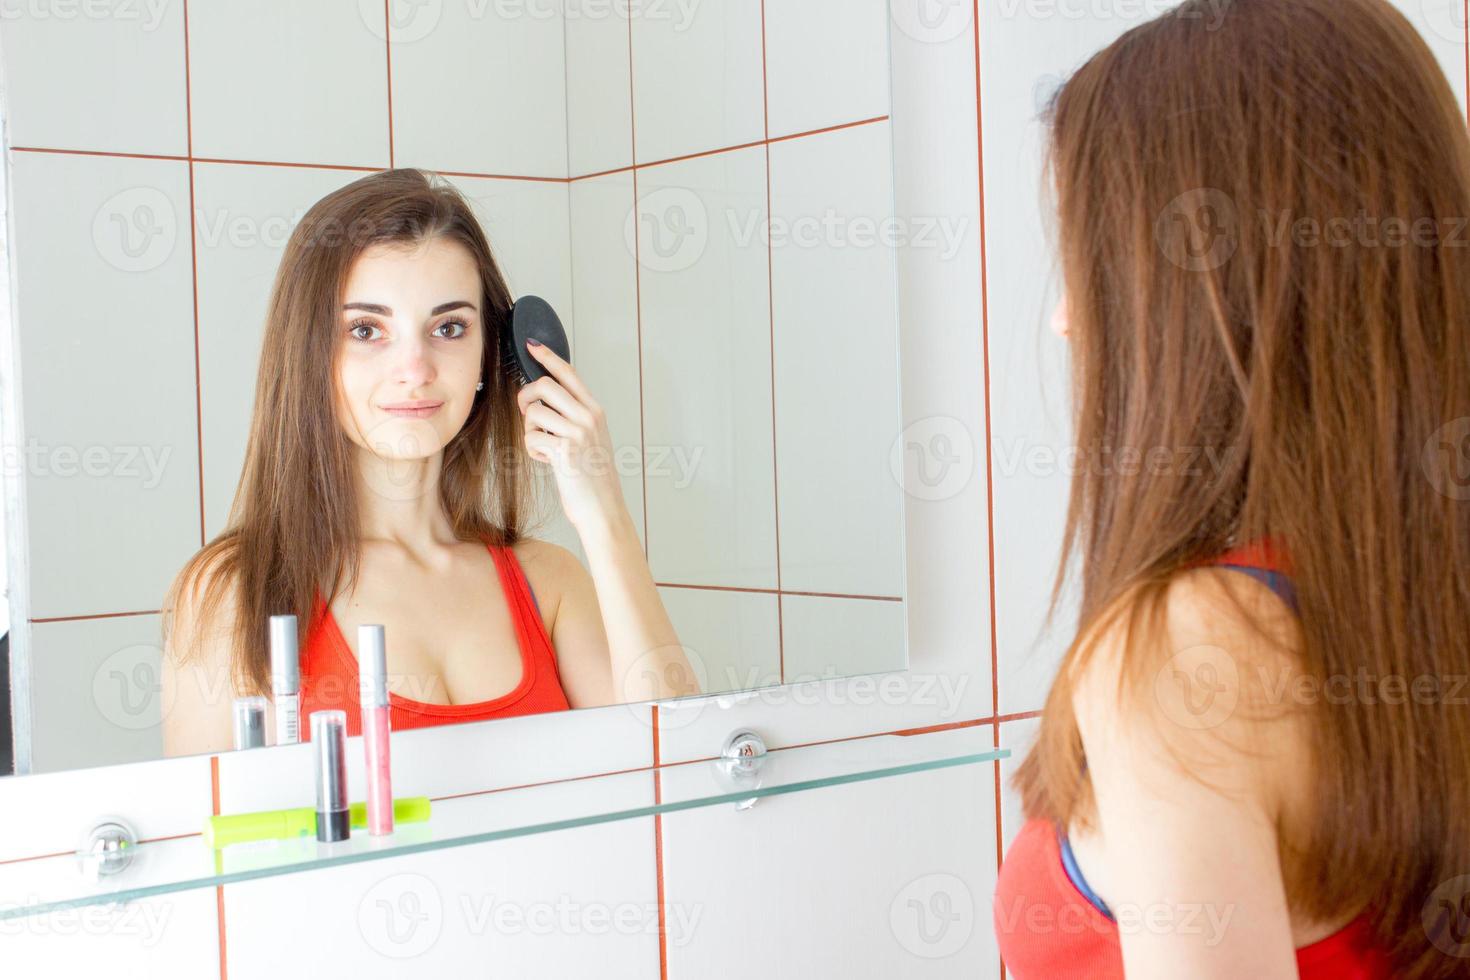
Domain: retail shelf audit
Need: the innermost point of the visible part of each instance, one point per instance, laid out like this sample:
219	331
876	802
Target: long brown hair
293	525
1328	371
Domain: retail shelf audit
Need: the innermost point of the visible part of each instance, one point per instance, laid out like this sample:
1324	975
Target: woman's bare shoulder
1216	688
546	566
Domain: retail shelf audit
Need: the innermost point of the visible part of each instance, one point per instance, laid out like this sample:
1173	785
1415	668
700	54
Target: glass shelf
52	883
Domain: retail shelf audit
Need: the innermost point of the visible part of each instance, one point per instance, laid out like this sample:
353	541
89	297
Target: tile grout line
663	585
771	324
989	451
194	272
219	890
388	68
189	157
658	823
637	282
658	852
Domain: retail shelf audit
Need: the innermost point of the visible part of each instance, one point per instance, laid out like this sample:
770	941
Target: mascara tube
285	680
372	667
329	742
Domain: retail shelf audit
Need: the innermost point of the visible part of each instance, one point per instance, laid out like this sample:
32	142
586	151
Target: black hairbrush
531	317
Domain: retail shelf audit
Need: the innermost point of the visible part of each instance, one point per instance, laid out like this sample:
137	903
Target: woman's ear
1059	322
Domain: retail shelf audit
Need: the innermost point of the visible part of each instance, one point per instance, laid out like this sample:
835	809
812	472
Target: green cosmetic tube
222	830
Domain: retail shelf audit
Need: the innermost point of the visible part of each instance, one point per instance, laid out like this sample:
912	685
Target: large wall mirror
703	191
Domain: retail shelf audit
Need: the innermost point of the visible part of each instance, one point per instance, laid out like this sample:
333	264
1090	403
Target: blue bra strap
1275	581
1069	865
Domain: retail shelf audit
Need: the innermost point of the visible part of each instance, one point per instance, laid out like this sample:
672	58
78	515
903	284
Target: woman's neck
398	501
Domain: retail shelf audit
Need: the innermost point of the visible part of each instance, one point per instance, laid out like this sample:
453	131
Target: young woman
1255	760
387	480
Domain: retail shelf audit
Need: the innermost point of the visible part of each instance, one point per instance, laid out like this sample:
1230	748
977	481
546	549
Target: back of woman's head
1261	208
294	522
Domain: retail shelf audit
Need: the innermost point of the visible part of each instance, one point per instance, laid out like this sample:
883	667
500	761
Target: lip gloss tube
372	667
285	680
329	741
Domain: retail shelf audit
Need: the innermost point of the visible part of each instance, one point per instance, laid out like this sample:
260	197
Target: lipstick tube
372	675
329	741
285	680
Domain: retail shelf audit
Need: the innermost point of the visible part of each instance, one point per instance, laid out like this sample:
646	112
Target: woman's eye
452	324
362	325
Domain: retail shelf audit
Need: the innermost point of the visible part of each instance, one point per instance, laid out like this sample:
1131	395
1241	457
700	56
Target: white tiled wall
696	78
883	879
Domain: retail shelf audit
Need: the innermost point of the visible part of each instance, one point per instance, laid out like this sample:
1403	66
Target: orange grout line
779	591
104	153
194	272
451	173
662	585
388	66
658	823
57	854
771	324
113	615
286	163
997	721
637	276
525	177
658	853
825	129
219	890
544	782
989	451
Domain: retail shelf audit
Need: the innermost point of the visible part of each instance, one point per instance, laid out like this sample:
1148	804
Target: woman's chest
450	636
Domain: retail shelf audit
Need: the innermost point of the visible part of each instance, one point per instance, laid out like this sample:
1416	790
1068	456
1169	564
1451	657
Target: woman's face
413	340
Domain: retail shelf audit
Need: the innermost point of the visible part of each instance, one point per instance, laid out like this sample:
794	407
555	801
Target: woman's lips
414	412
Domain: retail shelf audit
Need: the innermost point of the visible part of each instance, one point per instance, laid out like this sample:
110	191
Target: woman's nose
413	366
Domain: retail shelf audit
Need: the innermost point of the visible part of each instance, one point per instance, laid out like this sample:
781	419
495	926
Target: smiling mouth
414	411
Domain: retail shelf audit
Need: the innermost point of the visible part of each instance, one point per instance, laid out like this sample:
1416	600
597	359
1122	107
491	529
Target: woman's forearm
648	663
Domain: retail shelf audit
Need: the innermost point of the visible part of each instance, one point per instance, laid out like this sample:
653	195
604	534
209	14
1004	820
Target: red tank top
1048	927
329	670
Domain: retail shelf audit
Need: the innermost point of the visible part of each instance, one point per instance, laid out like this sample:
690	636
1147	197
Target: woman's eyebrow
382	310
